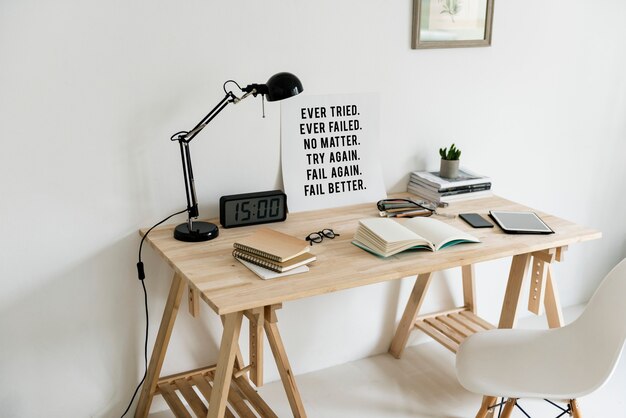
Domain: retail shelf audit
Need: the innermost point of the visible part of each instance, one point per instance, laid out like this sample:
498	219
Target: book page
387	237
389	231
439	233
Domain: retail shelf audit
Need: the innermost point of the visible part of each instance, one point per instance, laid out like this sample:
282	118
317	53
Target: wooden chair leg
484	407
508	407
575	409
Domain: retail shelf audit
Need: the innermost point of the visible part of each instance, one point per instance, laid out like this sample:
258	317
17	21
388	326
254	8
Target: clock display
253	208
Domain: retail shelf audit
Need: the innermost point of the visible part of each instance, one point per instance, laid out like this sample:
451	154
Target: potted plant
449	167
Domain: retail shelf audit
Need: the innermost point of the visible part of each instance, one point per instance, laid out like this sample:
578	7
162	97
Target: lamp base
202	231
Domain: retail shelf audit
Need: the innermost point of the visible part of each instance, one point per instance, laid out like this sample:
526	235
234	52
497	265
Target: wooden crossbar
451	328
187	395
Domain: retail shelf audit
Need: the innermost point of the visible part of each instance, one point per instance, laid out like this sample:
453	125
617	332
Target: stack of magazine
468	185
269	253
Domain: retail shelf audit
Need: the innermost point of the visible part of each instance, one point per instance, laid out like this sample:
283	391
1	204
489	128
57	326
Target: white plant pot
449	169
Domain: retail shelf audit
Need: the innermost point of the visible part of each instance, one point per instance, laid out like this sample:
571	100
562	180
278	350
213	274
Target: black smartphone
475	220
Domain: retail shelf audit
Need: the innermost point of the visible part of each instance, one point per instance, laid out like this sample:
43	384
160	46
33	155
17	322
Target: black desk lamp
280	86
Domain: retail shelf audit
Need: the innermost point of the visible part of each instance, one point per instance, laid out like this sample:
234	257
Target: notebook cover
273	245
294	262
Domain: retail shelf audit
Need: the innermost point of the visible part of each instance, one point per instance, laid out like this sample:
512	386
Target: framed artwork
451	23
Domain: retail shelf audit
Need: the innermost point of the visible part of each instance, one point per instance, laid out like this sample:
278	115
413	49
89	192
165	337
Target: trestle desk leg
519	268
225	365
410	313
256	345
239	363
469	288
552	302
160	346
282	362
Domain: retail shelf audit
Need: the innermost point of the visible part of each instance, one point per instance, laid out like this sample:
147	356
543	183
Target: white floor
420	385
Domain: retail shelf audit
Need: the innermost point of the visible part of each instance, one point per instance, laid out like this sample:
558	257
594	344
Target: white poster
329	146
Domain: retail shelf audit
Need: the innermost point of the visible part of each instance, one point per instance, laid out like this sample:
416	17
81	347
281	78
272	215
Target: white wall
91	91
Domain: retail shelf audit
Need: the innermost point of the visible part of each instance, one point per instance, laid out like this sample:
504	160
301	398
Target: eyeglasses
405	207
317	237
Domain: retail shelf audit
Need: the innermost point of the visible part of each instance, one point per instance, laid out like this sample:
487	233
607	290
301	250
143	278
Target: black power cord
141	275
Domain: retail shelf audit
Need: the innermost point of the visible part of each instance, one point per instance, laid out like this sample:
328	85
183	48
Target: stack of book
432	187
270	253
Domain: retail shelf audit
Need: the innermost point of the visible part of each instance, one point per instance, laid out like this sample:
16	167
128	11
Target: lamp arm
228	98
184	138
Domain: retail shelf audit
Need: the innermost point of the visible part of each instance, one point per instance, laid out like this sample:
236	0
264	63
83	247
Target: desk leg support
256	346
410	313
160	346
239	363
282	362
225	365
519	269
552	302
469	288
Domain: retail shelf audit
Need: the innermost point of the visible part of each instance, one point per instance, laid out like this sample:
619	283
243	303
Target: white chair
560	364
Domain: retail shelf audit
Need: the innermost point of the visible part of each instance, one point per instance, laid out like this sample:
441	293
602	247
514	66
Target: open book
386	236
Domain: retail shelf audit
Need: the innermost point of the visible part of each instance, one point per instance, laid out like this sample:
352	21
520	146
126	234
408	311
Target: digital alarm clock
253	208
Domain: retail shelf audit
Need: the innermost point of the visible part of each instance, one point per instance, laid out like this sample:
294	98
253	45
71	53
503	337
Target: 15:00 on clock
253	208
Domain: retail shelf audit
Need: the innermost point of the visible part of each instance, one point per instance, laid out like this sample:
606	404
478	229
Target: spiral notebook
273	245
267	274
277	266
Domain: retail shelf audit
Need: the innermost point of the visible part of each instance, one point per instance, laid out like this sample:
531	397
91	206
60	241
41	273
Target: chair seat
526	364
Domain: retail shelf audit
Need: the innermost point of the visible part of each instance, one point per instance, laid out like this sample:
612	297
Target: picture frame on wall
451	23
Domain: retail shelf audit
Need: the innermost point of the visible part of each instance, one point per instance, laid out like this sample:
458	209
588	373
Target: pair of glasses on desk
317	237
407	208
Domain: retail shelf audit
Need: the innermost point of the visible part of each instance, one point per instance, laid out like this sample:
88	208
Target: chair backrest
601	328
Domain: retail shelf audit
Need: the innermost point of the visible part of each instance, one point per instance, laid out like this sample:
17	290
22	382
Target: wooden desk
232	291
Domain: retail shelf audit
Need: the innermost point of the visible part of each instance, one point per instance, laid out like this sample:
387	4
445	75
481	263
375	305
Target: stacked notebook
270	253
432	187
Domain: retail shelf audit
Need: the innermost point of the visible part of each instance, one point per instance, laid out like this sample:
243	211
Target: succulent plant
452	154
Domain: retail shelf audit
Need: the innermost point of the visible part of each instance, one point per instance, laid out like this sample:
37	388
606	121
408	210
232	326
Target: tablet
520	222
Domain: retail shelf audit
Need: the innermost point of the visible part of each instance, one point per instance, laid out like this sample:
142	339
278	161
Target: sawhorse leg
398	343
519	268
160	346
282	362
229	348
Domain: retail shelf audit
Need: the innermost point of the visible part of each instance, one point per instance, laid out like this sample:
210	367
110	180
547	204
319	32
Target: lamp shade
282	86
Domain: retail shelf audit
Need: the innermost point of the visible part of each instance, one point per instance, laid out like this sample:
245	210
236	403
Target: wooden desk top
227	286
